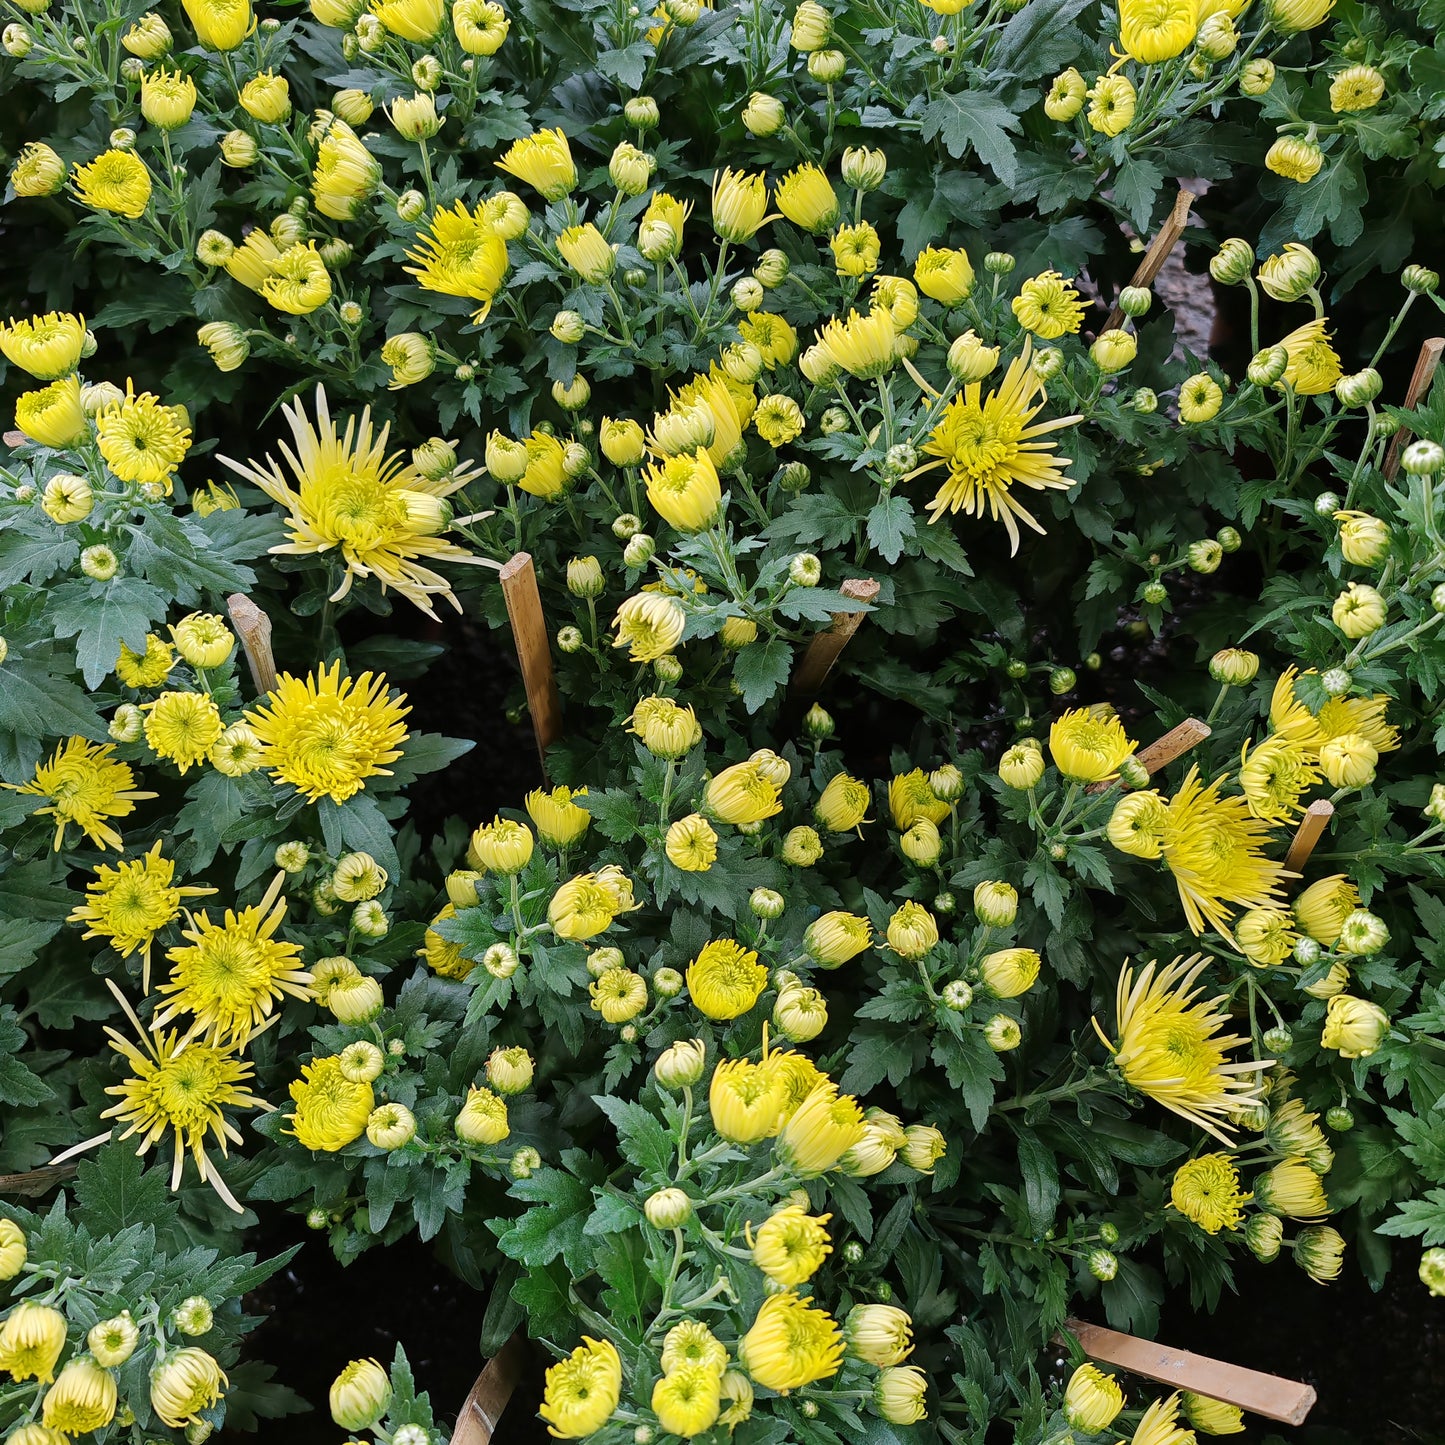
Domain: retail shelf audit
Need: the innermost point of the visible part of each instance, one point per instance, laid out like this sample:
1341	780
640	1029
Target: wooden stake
816	663
254	629
14	439
1272	1396
1425	366
529	631
1159	249
35	1182
1316	817
477	1423
1175	743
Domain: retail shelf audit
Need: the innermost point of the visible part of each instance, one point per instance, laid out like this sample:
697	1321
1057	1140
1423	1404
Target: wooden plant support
477	1423
529	631
13	439
1312	825
1162	751
35	1182
817	662
253	627
1272	1396
1426	365
1159	249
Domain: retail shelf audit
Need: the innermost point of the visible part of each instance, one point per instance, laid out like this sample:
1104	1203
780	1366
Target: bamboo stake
1272	1396
254	629
816	663
477	1423
1159	249
529	631
1316	817
1175	743
1425	366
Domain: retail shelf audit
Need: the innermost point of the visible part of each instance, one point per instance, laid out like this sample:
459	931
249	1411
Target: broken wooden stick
1272	1396
1426	365
1314	822
529	631
35	1182
817	662
1175	743
477	1423
253	627
1159	249
14	439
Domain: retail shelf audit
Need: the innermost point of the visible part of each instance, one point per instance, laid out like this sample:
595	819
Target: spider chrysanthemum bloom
725	980
544	161
1206	1190
1160	1425
820	1131
1338	716
182	727
1314	365
231	975
326	734
48	346
1212	844
1273	775
1151	31
739	204
791	1344
331	1110
115	181
460	255
1112	103
130	903
864	346
85	784
791	1245
1089	745
582	1391
650	624
377	511
141	439
991	444
1171	1048
1048	306
180	1088
299	282
250	263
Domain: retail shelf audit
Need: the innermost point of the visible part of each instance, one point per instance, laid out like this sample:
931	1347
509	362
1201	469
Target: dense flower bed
792	1063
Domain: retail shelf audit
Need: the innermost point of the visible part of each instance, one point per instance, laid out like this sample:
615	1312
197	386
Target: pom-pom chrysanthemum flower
327	734
331	1110
115	181
85	785
141	439
1206	1190
1171	1048
1273	775
182	727
180	1087
582	1391
791	1245
1049	307
130	903
725	980
991	444
1151	31
461	255
791	1344
1212	845
377	511
48	346
231	975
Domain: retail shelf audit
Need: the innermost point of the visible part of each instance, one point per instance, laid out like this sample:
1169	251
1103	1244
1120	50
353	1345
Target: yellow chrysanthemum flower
167	98
298	282
729	408
180	1087
864	346
85	785
990	444
1289	717
481	26
47	346
1048	306
326	735
83	1398
1112	104
742	794
331	1110
1170	1047
1273	776
145	669
650	624
182	727
130	903
582	1391
220	24
230	976
415	20
746	1100
691	844
586	905
725	980
441	955
1356	88
856	249
944	274
911	797
544	161
1212	846
1314	365
692	1343
1088	745
184	1383
1136	826
115	181
141	439
379	512
1322	908
791	1344
38	170
806	197
53	415
685	490
739	204
1152	31
31	1339
775	339
618	994
688	1400
559	821
461	255
1206	1190
345	173
820	1131
789	1246
1160	1425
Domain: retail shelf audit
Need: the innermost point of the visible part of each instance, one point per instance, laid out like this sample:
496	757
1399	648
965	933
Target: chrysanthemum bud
1134	301
1340	1119
681	1064
1267	366
1263	1234
639	550
827	66
669	669
1363	933
99	563
630	169
1114	350
642	111
1022	765
17	41
193	1316
500	960
569	639
668	1209
863	168
1204	556
1361	388
360	1395
805	570
969	359
1103	1265
1232	263
1292	274
772	268
763	115
524	1162
1062	680
1422	458
1048	362
1256	78
1420	279
510	1071
410	205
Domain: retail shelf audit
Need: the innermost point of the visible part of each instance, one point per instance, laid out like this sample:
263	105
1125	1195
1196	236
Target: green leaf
615	812
114	1189
1137	183
889	524
18	1084
552	1225
974	120
35	702
760	670
1424	1218
102	615
646	1142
